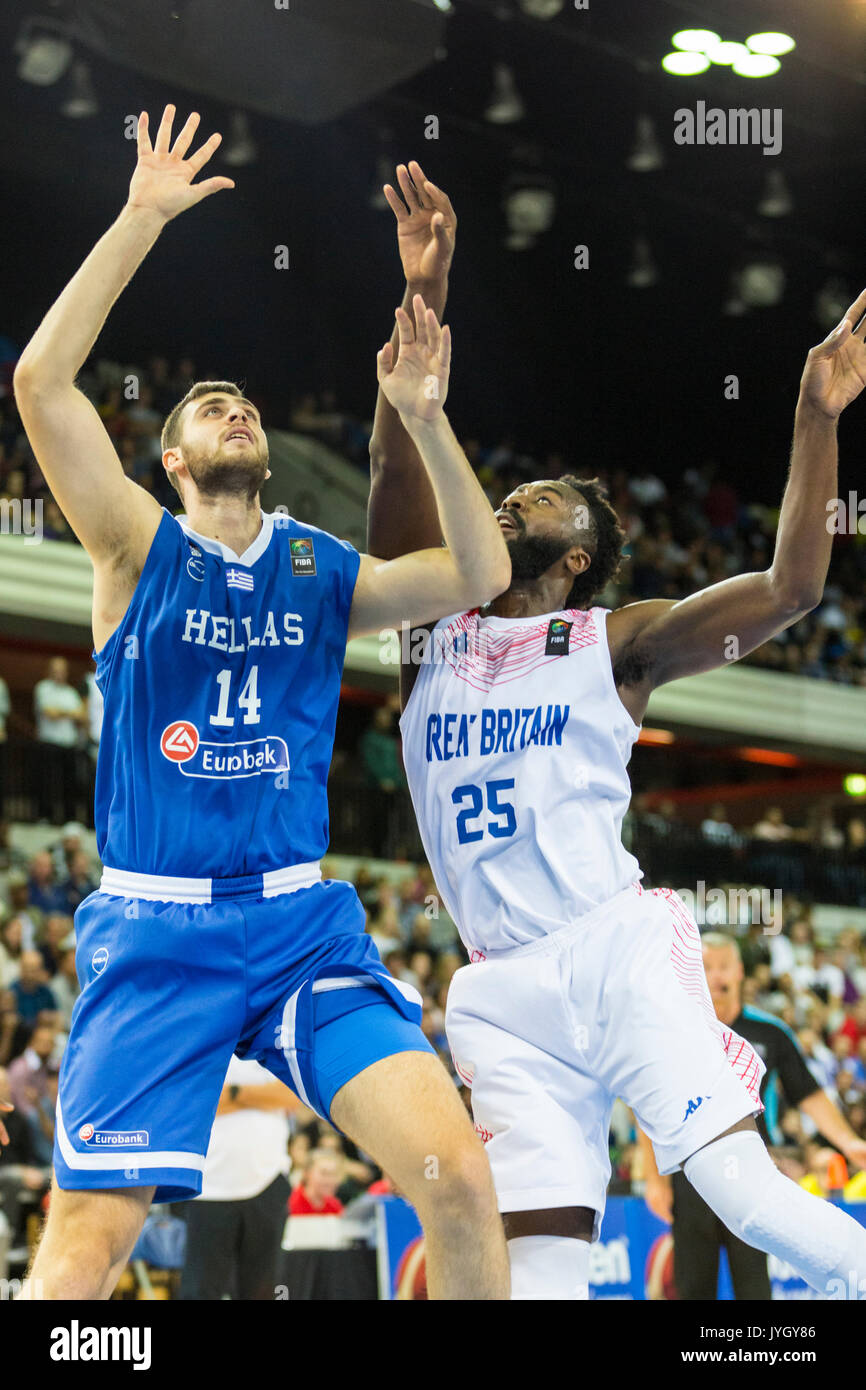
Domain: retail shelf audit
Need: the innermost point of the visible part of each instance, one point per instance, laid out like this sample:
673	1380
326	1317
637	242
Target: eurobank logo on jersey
181	744
113	1138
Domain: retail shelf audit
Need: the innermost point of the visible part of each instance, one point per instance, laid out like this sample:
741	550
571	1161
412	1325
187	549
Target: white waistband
123	883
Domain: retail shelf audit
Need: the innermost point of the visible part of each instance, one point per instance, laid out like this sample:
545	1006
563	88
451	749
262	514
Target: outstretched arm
659	640
402	514
113	518
428	584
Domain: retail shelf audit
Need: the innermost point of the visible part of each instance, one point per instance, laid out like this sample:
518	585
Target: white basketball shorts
549	1034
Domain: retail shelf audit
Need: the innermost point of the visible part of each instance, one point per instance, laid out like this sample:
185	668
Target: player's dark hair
171	430
604	538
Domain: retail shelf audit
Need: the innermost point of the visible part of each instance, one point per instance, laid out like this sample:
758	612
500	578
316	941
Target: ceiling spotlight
762	281
685	64
696	40
831	301
44	53
755	65
646	155
643	272
774	44
506	104
529	209
776	200
541	9
726	52
81	101
444	5
240	147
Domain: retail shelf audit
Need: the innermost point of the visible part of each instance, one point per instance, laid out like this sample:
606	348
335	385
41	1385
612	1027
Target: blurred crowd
816	985
679	540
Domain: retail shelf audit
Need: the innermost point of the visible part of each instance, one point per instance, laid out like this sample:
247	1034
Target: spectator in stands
379	748
24	1178
18	890
57	937
29	1073
65	987
44	894
71	840
60	719
11	858
843	1051
662	820
234	1228
854	1026
300	1149
384	924
818	1056
315	1195
824	832
408	891
30	991
855	834
95	712
11	947
55	527
11	1031
79	883
772	826
717	828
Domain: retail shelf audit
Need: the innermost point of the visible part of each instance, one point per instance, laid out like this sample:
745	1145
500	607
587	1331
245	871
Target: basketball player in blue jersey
517	729
220	639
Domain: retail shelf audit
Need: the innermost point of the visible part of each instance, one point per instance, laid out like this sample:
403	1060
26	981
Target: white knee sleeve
549	1267
738	1179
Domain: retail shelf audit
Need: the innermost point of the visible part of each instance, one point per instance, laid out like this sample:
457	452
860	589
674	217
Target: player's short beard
532	556
235	477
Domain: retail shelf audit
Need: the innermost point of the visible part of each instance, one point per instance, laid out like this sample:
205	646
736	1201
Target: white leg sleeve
549	1267
738	1179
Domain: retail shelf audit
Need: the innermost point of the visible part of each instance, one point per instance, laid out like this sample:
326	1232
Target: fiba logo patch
85	1133
558	637
99	960
303	555
179	741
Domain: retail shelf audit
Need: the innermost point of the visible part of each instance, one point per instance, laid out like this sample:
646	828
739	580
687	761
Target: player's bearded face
532	556
227	471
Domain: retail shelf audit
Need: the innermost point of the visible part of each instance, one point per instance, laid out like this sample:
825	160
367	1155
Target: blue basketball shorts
170	989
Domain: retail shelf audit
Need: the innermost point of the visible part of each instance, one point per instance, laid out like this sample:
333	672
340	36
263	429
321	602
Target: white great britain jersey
516	745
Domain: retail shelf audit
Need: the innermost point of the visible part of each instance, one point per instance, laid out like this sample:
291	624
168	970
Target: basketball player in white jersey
518	725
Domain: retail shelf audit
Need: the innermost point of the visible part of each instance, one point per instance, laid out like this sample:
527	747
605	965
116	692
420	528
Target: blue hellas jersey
221	687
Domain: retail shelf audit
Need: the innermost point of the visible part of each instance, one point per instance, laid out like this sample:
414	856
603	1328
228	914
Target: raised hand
426	225
835	371
417	383
163	179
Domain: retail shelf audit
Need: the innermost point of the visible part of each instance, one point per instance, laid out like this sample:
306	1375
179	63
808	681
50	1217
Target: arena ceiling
621	363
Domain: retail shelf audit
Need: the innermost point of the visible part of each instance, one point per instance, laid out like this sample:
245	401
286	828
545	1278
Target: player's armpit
414	652
110	514
662	639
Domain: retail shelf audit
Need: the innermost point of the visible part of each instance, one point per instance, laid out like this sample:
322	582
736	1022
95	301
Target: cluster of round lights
696	49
